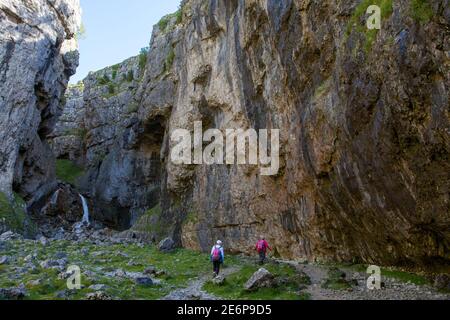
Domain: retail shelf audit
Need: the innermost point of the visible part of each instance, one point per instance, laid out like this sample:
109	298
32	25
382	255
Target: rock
30	257
133	263
13	293
219	281
99	295
150	270
61	255
144	281
40	62
160	273
4	260
166	245
35	283
9	235
54	264
442	281
117	273
98	287
44	241
260	279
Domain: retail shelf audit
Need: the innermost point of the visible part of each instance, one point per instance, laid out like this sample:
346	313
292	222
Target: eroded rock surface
363	119
38	54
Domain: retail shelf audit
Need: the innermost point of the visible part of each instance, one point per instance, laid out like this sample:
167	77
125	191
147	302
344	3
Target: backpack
261	246
216	254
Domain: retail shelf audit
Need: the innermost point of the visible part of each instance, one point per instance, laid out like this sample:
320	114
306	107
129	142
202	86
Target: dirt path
393	289
194	290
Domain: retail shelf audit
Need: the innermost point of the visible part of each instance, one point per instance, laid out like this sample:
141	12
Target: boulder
144	281
99	295
166	245
260	279
442	282
9	235
13	293
219	281
4	260
98	287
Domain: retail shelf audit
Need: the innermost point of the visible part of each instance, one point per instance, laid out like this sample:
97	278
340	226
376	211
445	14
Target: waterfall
85	210
54	199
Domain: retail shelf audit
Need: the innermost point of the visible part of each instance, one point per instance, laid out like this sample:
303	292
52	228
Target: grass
13	215
399	275
143	58
335	281
150	224
67	171
233	288
115	69
421	11
180	267
130	76
169	60
103	80
404	276
386	7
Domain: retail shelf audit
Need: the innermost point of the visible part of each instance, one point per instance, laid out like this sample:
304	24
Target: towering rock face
67	140
38	54
363	118
98	129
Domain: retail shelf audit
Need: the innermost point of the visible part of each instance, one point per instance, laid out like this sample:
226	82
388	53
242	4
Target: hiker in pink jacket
261	246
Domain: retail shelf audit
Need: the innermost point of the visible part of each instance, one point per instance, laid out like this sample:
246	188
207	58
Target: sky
117	30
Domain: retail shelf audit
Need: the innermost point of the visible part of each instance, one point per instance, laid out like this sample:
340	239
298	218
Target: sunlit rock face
364	127
363	119
38	54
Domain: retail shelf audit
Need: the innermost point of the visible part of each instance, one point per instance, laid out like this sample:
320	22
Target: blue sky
117	30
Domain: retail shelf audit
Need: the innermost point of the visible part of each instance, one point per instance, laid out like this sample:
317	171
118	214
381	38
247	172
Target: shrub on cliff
13	216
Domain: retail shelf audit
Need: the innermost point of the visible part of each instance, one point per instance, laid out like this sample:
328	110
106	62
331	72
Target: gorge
364	170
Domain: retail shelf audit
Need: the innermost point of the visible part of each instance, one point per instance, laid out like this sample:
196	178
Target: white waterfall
54	199
85	210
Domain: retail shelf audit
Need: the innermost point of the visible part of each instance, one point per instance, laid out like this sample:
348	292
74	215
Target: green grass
67	171
103	80
169	60
335	281
13	215
421	11
130	76
180	267
115	69
233	288
386	7
404	276
150	223
142	59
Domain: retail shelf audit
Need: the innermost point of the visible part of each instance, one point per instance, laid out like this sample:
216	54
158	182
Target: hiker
261	246
217	257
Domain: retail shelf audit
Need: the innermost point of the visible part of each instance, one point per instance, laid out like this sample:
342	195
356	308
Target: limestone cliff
363	117
38	54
